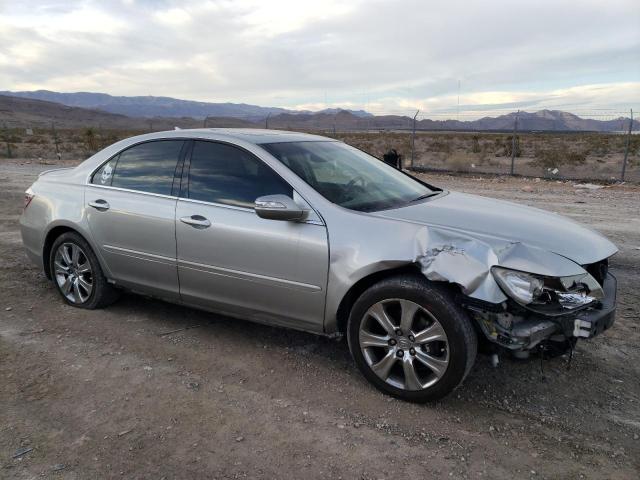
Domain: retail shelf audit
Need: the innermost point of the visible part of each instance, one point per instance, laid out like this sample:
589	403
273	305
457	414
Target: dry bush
36	140
475	144
598	145
440	145
459	162
505	146
558	157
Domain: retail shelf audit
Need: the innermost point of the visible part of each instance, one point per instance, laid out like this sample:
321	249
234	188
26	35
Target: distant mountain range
158	106
85	109
24	112
544	120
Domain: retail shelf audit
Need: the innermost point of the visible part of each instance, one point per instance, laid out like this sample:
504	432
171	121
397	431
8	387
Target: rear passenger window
105	174
148	167
221	173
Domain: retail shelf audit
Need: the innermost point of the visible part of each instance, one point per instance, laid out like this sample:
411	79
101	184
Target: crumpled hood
508	221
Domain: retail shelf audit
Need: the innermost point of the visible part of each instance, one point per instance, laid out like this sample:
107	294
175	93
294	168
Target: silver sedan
306	232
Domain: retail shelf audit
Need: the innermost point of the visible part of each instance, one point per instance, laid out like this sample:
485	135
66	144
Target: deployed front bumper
525	330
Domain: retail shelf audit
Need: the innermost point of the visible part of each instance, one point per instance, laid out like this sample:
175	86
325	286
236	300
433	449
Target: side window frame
177	174
186	171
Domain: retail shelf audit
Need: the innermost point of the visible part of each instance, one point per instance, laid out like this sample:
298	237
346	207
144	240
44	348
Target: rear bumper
31	241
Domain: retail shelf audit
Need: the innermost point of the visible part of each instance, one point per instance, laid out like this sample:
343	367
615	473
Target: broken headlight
548	295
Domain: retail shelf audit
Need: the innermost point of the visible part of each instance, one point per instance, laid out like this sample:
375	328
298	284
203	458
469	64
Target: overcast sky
382	55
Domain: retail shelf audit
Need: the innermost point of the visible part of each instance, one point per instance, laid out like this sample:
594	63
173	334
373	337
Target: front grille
598	270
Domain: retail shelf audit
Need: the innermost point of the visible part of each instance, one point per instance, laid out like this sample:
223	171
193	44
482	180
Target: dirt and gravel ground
115	394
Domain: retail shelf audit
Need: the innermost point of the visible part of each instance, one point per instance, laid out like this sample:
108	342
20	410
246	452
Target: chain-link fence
554	152
604	156
581	156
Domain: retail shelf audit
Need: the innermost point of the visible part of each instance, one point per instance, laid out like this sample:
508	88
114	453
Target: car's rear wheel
410	339
77	274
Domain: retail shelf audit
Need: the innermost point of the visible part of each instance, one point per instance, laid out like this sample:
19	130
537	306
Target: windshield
347	176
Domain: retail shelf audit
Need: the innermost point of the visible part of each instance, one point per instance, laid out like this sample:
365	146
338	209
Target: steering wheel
352	183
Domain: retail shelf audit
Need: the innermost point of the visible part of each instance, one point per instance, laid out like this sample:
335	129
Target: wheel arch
52	234
358	288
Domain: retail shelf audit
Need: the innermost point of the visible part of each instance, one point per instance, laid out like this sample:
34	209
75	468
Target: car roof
252	135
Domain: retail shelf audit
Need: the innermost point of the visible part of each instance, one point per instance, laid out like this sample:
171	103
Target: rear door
235	262
131	212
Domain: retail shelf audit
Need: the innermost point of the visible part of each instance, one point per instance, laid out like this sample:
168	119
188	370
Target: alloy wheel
404	344
73	273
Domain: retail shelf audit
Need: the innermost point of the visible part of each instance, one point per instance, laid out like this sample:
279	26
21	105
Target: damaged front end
521	297
521	329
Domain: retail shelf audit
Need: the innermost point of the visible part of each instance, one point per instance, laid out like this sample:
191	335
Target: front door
131	213
235	262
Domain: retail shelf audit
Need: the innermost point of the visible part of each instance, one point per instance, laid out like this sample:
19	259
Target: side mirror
278	207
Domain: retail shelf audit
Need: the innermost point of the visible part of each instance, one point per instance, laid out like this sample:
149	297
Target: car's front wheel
410	339
77	274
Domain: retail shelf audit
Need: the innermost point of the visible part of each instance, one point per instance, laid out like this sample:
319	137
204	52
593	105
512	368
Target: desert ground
144	389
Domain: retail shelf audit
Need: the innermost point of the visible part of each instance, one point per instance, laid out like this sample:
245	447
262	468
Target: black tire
102	294
438	300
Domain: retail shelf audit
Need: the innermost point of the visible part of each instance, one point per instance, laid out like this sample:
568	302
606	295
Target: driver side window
221	173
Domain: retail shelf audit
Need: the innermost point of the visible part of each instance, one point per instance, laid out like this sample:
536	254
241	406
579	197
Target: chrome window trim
241	209
127	190
215	204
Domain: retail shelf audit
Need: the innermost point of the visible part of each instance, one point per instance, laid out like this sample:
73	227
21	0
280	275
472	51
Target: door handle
196	221
99	204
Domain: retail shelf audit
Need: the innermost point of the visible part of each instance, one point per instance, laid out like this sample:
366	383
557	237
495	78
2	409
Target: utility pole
626	148
513	142
413	139
266	121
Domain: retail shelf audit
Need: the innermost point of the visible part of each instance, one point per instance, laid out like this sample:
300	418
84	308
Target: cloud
173	17
383	55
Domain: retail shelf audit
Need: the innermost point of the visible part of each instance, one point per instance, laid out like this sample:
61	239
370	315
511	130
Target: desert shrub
8	150
598	145
36	140
504	146
634	145
458	163
8	146
575	158
90	140
508	146
475	144
558	157
439	145
486	160
108	139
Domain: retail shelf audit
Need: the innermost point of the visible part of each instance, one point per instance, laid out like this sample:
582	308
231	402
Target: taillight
28	196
